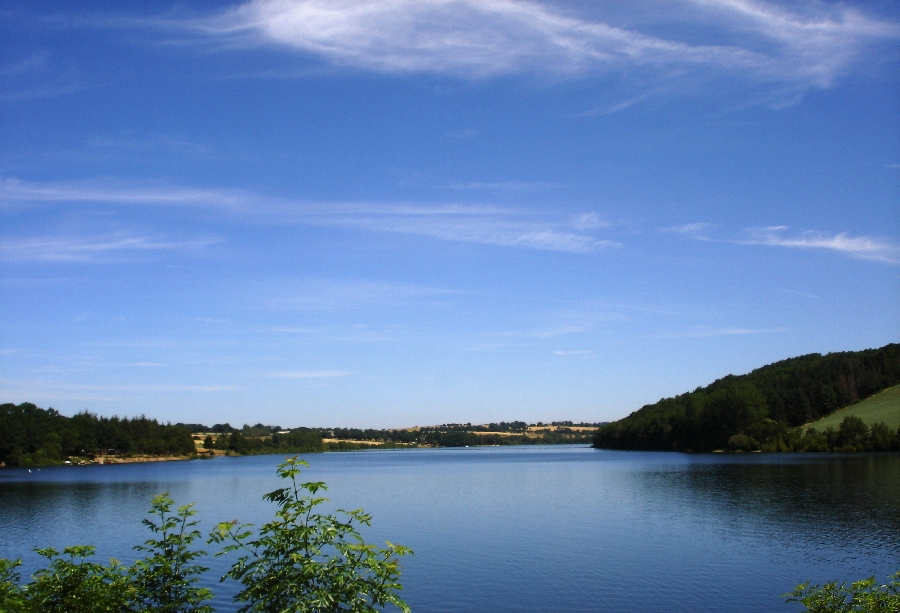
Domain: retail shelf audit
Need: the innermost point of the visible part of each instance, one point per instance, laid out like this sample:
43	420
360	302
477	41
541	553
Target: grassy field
883	406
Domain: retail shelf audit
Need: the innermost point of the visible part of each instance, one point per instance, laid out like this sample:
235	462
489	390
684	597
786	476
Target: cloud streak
330	295
807	45
502	227
526	186
714	332
89	249
863	247
13	191
316	374
698	231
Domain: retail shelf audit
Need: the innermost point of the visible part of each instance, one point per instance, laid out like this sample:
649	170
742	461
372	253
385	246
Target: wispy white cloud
491	226
55	389
525	186
312	374
803	294
36	77
14	191
863	247
698	231
563	322
40	91
588	221
616	107
497	345
87	249
34	62
712	332
152	144
574	352
504	227
329	295
464	134
805	44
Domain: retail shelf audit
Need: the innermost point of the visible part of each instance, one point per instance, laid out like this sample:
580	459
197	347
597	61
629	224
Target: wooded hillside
32	436
759	410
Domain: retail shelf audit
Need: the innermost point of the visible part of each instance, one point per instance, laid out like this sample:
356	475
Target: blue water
523	528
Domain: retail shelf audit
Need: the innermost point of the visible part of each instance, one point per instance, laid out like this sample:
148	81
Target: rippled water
524	528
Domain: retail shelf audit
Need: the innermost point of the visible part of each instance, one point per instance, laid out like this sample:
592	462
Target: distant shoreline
206	455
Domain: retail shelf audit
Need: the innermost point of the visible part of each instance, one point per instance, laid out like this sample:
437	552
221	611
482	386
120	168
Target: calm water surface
523	528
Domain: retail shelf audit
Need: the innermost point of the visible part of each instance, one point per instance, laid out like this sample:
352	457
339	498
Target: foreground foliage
762	410
864	596
303	560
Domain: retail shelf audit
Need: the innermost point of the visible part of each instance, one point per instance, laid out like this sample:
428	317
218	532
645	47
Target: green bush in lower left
301	561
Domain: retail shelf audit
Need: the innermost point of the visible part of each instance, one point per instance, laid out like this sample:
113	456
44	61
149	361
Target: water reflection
824	498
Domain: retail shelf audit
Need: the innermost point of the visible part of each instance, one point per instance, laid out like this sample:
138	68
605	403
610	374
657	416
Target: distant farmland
883	406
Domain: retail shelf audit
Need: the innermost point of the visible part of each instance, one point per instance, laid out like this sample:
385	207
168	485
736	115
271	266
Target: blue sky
410	212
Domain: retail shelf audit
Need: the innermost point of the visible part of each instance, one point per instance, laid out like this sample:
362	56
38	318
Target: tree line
32	436
227	428
763	409
463	435
298	440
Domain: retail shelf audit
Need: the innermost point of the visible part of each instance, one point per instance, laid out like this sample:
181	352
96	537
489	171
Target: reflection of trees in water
827	500
25	501
56	514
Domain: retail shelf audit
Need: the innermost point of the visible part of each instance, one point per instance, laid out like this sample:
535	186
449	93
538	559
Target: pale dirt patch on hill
479	433
349	440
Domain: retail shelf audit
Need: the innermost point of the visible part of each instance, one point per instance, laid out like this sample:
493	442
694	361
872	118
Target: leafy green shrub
307	561
301	561
864	596
71	584
12	599
163	582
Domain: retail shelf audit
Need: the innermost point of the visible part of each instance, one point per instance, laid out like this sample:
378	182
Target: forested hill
32	436
759	410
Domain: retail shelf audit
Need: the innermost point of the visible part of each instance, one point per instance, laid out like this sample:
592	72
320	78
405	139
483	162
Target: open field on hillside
883	406
479	433
354	441
555	428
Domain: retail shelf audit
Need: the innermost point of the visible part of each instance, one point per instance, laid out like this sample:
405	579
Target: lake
565	528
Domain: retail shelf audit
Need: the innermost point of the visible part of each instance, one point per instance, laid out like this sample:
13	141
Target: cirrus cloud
487	225
90	248
802	44
863	247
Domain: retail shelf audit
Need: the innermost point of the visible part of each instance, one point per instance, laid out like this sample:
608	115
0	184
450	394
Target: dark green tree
853	433
72	584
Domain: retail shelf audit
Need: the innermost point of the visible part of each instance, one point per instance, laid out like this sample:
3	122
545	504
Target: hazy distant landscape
769	409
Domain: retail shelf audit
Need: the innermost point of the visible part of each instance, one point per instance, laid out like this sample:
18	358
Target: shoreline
208	454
